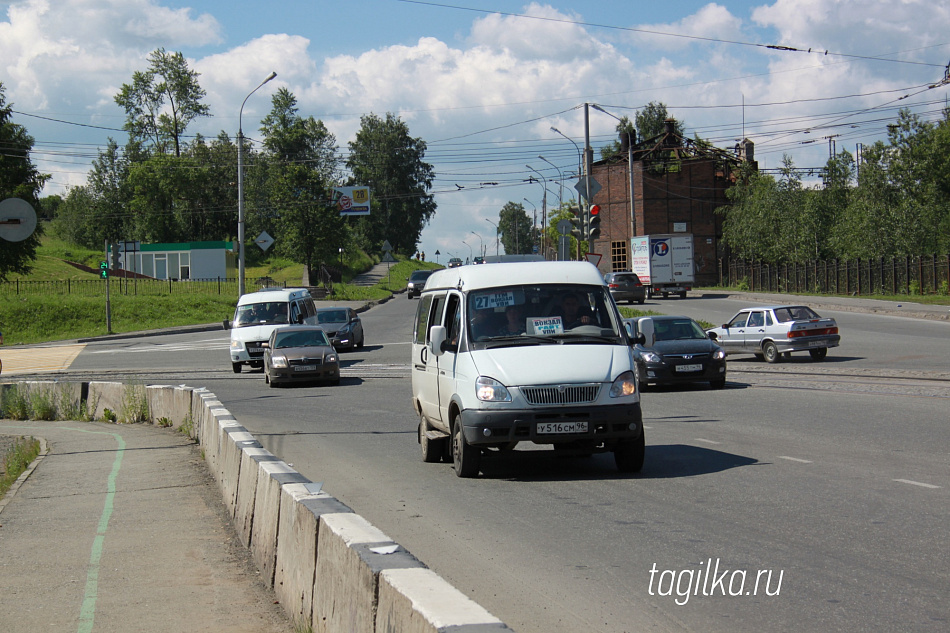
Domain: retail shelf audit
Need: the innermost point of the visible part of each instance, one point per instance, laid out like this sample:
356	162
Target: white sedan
773	331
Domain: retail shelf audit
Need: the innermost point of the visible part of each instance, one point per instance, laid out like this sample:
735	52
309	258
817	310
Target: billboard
351	200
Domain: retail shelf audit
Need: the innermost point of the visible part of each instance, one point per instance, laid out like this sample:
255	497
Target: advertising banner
351	200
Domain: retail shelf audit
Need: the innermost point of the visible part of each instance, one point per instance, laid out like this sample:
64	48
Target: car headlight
490	390
279	362
719	354
237	346
331	359
624	385
651	357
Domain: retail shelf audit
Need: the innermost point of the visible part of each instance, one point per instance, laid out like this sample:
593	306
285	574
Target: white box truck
664	263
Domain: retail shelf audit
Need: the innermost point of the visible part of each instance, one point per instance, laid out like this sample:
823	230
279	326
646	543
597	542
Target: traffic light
104	270
577	224
593	225
114	257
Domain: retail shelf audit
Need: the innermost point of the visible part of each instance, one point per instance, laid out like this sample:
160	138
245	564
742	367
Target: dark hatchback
625	287
416	282
681	353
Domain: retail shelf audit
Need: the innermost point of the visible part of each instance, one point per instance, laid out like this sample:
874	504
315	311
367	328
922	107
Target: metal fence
919	274
129	286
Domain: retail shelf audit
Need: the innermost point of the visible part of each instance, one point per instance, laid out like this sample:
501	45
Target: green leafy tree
299	165
651	121
612	149
566	211
19	178
392	163
161	102
517	230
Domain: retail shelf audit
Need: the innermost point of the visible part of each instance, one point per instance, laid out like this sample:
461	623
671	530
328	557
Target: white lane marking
700	439
916	483
795	459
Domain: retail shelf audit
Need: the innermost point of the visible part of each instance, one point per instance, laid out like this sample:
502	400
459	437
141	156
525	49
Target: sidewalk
121	528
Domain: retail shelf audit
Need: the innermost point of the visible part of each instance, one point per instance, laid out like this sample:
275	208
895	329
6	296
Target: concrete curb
329	567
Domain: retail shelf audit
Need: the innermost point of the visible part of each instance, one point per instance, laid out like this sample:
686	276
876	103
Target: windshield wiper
519	339
586	338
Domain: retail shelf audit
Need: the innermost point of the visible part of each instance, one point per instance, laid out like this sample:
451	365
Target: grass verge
17	460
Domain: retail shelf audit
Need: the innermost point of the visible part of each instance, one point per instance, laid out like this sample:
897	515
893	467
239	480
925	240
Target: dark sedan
343	326
680	352
417	281
300	353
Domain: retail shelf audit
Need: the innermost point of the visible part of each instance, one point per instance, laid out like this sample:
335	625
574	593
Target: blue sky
483	82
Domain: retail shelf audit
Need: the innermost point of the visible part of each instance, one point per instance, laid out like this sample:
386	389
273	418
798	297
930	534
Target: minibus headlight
624	385
490	390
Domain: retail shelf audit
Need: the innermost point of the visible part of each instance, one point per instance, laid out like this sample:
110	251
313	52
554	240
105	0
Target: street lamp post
560	178
633	206
496	235
471	254
481	244
240	140
544	206
557	131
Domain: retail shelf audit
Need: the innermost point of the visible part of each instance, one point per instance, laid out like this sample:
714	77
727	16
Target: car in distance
455	262
774	332
300	353
343	327
257	314
625	286
417	281
679	351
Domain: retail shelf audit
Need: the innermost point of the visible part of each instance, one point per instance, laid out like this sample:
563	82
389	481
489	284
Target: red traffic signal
595	209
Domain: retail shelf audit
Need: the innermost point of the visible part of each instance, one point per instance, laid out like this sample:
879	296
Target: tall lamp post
633	206
471	254
481	244
496	235
544	206
576	146
240	140
560	176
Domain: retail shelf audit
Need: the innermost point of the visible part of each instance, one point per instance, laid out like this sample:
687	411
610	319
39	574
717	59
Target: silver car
771	332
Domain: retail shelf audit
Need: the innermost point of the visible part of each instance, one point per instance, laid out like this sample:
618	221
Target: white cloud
712	21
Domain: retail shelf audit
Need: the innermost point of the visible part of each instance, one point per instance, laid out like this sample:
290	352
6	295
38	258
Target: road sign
564	226
593	258
264	240
17	219
581	187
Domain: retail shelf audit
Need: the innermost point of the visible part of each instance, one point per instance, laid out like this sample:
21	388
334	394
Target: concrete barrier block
417	600
350	554
235	437
300	511
247	488
105	395
169	402
266	524
51	399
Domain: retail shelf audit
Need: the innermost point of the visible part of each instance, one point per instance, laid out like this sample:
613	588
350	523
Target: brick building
678	184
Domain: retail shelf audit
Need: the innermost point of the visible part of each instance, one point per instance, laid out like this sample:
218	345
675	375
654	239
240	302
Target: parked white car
771	332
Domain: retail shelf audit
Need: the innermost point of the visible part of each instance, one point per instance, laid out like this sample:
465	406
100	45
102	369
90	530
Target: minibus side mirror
436	339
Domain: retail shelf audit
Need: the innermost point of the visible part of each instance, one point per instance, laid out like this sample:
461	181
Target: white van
256	316
523	352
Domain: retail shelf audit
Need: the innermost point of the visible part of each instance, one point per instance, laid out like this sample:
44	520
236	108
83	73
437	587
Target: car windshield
677	330
308	338
538	314
331	316
265	313
625	279
420	275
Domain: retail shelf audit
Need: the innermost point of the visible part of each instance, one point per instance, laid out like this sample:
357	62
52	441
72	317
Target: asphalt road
804	496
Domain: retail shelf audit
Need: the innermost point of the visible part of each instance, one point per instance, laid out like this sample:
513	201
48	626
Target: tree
299	165
517	231
651	121
161	101
614	148
387	159
19	178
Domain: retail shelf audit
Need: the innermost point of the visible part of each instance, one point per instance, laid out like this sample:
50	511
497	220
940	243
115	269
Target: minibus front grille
561	394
